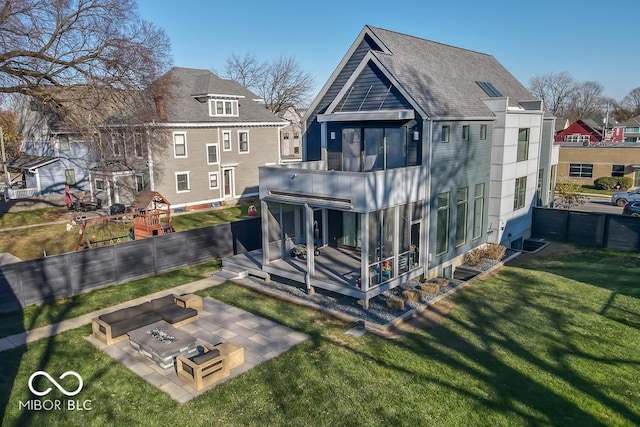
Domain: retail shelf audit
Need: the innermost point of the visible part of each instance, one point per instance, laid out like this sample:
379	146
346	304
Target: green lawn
547	342
34	242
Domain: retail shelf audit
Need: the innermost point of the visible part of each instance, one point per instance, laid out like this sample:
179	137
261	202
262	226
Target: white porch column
309	241
264	222
364	251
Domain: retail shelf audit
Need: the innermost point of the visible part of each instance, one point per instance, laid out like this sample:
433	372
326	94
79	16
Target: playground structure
150	214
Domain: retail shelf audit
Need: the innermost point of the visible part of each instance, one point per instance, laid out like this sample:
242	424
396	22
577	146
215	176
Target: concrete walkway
22	338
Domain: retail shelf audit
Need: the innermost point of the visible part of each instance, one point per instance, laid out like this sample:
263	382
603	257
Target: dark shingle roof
442	78
185	83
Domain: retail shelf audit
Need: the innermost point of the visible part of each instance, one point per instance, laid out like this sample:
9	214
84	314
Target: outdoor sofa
113	327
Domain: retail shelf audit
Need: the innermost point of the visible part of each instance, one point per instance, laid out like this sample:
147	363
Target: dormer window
223	107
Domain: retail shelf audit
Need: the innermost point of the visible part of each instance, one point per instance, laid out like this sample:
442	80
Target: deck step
229	274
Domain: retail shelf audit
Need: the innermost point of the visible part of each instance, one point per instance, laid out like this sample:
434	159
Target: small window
180	145
483	132
139	183
223	107
213	181
465	132
444	137
138	147
523	145
617	170
285	135
64	142
296	135
70	177
226	140
296	150
182	182
99	184
212	154
520	193
243	141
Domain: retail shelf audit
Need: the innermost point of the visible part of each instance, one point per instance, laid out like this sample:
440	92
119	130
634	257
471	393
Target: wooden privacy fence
597	229
48	279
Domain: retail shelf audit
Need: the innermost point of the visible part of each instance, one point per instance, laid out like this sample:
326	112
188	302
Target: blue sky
591	40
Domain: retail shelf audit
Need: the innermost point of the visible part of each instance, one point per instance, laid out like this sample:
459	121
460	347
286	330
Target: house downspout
152	182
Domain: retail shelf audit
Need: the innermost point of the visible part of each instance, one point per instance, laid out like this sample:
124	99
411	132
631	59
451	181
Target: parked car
631	208
622	197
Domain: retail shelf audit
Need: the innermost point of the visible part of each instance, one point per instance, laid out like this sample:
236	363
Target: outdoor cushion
201	358
114	317
139	309
128	325
162	302
175	314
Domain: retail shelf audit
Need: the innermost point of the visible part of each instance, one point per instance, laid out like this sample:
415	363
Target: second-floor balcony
312	183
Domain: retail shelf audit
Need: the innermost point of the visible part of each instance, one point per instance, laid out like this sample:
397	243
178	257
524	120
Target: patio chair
204	369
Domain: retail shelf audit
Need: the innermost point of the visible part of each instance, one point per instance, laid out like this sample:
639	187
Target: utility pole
7	178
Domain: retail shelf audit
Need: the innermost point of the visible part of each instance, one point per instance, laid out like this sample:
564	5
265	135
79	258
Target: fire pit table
161	343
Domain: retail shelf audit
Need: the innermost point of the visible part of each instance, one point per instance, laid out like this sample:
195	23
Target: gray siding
455	165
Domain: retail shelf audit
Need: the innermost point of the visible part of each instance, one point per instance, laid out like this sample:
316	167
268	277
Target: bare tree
61	43
632	101
587	101
281	83
556	91
247	71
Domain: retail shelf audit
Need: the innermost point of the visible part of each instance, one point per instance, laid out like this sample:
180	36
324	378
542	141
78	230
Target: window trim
186	152
141	177
217	175
523	145
466	133
100	187
178	191
483	132
478	203
227	132
446	208
213	107
246	131
215	145
462	204
445	134
520	193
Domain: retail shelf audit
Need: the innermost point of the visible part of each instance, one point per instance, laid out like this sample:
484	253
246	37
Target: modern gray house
414	153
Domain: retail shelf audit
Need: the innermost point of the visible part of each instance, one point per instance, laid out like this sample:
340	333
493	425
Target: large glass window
374	149
395	147
351	149
462	202
581	170
520	193
442	231
478	210
523	144
617	170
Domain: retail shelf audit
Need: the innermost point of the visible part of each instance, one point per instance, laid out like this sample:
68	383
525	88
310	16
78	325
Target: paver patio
261	339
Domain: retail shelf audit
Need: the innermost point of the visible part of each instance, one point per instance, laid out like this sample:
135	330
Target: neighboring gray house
220	133
414	153
291	134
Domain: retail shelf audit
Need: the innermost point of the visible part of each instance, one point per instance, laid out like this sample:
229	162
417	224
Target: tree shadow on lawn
525	350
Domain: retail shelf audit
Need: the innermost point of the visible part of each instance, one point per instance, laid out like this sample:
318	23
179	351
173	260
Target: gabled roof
145	198
440	80
632	122
187	91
